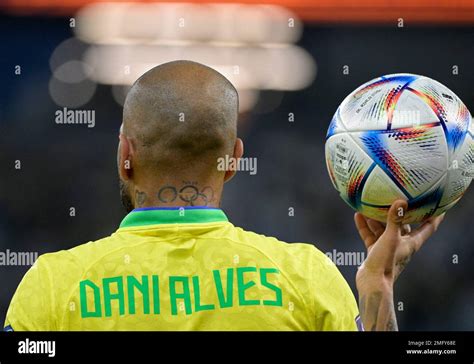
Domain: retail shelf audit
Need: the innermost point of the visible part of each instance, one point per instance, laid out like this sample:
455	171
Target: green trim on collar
178	215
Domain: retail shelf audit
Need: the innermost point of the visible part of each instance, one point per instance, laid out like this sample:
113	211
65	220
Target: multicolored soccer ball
401	136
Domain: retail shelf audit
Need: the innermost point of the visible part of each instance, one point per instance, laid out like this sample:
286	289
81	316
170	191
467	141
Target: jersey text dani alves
183	269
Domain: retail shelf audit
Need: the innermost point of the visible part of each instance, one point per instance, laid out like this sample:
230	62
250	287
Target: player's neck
178	193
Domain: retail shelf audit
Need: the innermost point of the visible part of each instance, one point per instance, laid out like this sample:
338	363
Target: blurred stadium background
293	62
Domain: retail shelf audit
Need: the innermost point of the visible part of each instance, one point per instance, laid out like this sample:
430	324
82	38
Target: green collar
173	215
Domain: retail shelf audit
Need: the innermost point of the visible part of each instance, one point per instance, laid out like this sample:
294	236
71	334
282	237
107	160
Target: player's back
183	269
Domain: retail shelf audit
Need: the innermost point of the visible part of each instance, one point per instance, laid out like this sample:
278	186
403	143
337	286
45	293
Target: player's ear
124	158
238	152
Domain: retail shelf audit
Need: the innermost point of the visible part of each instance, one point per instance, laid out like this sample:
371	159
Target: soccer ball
401	136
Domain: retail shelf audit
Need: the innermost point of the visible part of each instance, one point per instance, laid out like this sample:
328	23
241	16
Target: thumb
395	217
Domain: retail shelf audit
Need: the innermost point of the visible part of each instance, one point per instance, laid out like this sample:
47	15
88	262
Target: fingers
364	230
395	216
420	235
376	226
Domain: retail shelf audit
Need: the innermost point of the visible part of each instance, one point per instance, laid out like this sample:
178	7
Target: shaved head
179	118
181	112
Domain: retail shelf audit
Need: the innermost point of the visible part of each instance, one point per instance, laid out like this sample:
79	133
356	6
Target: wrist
369	281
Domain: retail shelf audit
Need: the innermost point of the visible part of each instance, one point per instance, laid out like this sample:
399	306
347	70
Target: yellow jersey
185	268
